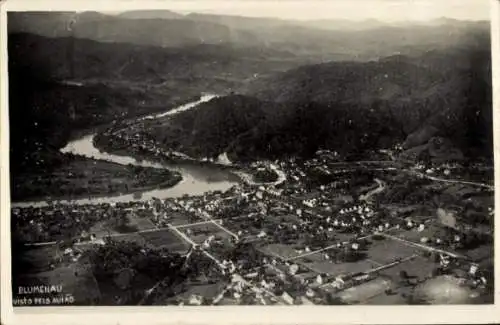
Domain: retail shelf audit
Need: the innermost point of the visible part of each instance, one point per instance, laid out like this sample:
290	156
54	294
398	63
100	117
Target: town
322	231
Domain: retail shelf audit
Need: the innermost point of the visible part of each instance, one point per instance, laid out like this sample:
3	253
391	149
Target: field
418	268
141	223
279	250
181	218
36	259
81	177
135	223
335	269
414	235
378	251
205	290
165	239
366	290
133	237
481	253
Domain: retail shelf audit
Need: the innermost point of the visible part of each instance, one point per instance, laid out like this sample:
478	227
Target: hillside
441	93
353	108
210	128
438	85
204	66
65	85
45	113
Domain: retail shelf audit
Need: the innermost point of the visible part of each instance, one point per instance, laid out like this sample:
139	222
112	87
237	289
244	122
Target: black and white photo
237	155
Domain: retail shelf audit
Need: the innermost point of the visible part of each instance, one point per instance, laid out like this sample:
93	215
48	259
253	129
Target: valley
161	158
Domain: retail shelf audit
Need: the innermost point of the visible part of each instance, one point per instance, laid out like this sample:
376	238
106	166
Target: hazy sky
386	10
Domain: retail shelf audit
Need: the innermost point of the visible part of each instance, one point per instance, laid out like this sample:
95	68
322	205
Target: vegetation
294	113
347	105
130	269
115	256
76	176
61	87
265	176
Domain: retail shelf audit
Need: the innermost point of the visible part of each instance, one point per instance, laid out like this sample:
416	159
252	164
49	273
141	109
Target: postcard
249	161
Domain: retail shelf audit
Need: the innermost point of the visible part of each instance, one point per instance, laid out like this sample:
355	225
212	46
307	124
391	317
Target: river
197	179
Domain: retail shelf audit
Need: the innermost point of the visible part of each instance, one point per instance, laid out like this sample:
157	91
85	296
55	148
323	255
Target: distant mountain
172	32
150	14
347	41
339	39
369	24
211	67
344	24
242	22
157	32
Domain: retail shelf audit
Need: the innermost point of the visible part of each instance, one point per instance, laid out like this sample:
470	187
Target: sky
384	10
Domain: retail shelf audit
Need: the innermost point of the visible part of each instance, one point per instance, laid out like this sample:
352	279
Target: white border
470	314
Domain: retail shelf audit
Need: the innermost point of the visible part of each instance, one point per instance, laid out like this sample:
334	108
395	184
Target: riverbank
111	145
82	177
198	176
140	113
118	146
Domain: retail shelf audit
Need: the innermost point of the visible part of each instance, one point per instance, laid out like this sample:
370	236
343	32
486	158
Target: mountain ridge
337	106
151	28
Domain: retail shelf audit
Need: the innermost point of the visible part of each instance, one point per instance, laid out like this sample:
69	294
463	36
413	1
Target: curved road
381	187
452	181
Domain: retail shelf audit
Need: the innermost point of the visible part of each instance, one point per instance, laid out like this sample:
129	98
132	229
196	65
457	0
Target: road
381	187
381	267
223	267
451	181
334	245
155	229
217	224
425	247
192	243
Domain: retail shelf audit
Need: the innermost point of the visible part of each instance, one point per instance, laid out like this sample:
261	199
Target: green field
379	251
280	250
340	268
133	237
165	239
420	268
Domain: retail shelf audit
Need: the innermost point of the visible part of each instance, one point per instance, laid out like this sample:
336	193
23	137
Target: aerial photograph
249	155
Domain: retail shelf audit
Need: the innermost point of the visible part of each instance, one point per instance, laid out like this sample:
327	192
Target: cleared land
82	177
